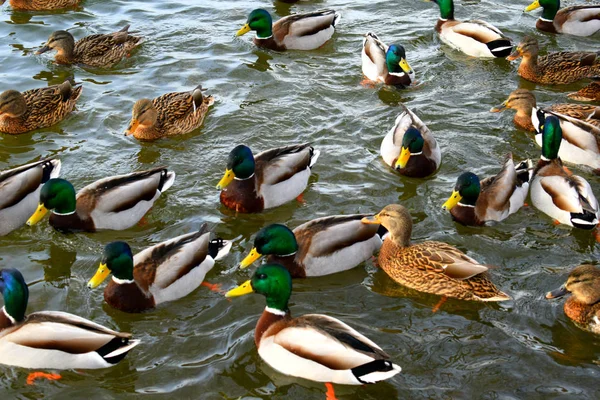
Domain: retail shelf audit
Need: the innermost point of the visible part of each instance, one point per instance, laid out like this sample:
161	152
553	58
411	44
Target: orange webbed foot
556	222
367	83
214	287
330	394
439	304
597	234
41	375
300	198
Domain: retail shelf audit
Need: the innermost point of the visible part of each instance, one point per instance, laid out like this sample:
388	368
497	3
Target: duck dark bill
556	293
43	50
243	289
37	215
250	258
101	274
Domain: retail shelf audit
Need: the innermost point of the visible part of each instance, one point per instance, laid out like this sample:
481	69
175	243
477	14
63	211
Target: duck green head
446	8
274	239
395	59
466	191
412	145
551	7
240	165
259	21
15	293
551	137
118	260
57	195
272	281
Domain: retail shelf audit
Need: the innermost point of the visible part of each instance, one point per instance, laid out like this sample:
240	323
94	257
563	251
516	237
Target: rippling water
202	346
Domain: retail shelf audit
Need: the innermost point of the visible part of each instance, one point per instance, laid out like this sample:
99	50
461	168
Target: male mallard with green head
581	20
386	64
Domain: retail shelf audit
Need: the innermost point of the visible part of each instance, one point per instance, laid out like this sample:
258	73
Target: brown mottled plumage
36	108
41	5
431	267
589	93
168	115
555	68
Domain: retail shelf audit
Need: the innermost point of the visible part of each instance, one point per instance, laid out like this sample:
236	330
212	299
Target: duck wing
306	24
18	183
52	99
280	164
441	258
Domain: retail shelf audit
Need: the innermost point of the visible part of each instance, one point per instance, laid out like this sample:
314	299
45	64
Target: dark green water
202	346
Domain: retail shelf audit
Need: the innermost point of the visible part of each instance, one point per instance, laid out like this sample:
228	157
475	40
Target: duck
169	115
316	347
307	31
36	108
430	267
272	178
164	272
475	38
383	63
101	50
566	198
53	339
583	306
581	20
589	93
318	247
115	202
410	148
475	202
20	190
41	5
559	68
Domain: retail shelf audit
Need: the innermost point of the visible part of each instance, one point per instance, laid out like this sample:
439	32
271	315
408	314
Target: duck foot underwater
32	377
439	304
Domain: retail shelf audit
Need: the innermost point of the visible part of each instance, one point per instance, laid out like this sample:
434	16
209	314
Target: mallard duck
20	190
576	20
565	197
589	93
319	247
101	50
36	108
116	202
41	5
474	38
430	267
554	68
306	31
583	306
272	178
53	339
381	63
410	148
164	272
493	199
314	346
168	115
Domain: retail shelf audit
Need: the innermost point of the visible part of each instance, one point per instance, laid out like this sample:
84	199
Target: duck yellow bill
250	258
533	6
403	159
245	29
99	277
226	179
453	200
243	289
500	108
405	67
371	220
37	215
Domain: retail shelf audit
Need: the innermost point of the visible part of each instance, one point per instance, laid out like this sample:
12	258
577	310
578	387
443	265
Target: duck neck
400	238
550	11
446	9
264	32
269	317
6	320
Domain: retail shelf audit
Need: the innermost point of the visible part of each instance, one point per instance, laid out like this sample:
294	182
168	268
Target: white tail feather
224	250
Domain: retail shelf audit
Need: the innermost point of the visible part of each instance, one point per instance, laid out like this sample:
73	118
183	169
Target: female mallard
430	267
319	247
474	38
589	93
101	50
493	199
566	198
583	306
307	31
575	20
274	177
555	68
20	190
164	272
116	202
381	63
36	108
53	339
41	5
410	148
314	346
168	115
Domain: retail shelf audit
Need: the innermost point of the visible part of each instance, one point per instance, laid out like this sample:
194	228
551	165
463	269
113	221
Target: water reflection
262	62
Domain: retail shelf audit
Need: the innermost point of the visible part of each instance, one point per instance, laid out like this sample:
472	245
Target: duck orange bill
37	215
514	55
133	125
99	277
250	258
556	293
499	108
403	159
226	179
405	67
533	6
243	30
243	289
453	200
371	220
43	50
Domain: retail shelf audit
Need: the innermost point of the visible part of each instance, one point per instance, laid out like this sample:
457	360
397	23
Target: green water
202	346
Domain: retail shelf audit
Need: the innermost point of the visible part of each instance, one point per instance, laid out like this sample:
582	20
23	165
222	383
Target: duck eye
262	276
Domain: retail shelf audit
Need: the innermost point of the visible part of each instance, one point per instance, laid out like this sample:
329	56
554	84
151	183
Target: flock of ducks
315	346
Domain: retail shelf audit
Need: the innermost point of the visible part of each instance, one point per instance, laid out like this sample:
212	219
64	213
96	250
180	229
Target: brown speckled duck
36	108
589	93
101	50
583	306
555	68
168	115
41	5
431	267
